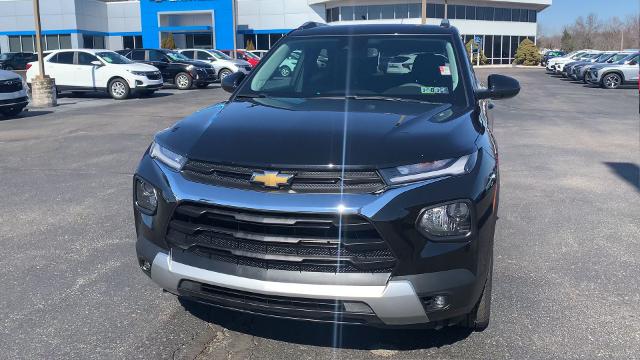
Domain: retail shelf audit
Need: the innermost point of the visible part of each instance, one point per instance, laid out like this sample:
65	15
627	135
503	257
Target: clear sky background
564	12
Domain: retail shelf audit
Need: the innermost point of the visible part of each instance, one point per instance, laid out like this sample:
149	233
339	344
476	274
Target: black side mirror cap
231	82
500	87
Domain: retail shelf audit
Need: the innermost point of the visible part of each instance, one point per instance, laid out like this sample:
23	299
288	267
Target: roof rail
310	25
445	23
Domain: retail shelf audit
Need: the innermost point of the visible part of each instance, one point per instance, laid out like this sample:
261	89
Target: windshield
603	57
113	58
177	56
412	67
626	58
219	55
251	55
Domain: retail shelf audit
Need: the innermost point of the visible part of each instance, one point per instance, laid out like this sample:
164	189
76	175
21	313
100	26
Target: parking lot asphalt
567	244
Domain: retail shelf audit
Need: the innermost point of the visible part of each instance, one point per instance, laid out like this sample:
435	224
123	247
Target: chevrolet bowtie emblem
271	179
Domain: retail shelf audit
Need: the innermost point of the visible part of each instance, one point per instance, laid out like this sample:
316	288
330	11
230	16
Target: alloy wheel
612	81
183	81
118	89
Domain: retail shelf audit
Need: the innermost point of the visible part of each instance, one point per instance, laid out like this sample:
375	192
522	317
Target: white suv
13	94
221	62
98	70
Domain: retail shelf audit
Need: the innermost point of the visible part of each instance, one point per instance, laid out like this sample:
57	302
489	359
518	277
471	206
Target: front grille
9	86
154	76
304	181
280	241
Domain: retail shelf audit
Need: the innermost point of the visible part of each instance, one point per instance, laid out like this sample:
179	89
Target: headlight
167	157
138	73
146	196
446	222
429	170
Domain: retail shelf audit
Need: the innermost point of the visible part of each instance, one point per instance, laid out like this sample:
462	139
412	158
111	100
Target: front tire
119	89
478	318
183	81
611	81
11	111
224	73
285	71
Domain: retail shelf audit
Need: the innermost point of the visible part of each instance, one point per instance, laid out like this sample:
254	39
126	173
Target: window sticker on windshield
445	70
433	90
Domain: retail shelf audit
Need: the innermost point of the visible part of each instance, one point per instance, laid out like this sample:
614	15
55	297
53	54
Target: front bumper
456	270
17	99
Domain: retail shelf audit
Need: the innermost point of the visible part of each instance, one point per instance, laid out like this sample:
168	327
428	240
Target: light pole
235	27
43	88
424	12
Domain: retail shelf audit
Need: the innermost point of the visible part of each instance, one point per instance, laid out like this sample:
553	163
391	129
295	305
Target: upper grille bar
304	181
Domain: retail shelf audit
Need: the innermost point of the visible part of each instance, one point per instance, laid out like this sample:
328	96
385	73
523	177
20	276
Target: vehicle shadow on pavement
25	114
326	335
626	171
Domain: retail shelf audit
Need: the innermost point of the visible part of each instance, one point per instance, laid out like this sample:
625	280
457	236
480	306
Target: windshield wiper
385	98
251	96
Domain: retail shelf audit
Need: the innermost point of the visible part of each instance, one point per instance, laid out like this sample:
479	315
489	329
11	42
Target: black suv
345	192
175	68
16	60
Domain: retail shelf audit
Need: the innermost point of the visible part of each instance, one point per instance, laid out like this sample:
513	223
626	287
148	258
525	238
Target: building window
401	11
434	11
132	42
346	13
92	41
28	43
415	11
360	13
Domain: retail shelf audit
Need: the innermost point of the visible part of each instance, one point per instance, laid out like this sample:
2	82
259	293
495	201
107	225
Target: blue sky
564	12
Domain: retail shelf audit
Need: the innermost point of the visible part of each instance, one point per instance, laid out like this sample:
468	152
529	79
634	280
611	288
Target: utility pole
36	14
43	88
235	27
424	12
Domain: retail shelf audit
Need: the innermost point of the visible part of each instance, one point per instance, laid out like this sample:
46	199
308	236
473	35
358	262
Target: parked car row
608	69
13	93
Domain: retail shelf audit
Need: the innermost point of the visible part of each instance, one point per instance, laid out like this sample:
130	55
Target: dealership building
119	24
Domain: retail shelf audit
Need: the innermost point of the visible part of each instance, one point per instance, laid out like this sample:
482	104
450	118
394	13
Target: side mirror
97	63
500	87
632	63
211	58
231	82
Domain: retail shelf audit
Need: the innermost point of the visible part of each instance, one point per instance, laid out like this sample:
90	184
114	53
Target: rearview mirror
231	82
96	63
500	87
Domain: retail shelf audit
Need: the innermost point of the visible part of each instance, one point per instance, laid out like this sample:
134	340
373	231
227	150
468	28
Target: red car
242	54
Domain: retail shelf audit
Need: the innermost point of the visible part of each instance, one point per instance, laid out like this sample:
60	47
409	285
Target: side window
203	55
136	55
85	58
283	75
155	55
65	57
188	53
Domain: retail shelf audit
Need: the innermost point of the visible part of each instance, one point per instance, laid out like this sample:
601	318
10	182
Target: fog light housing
446	221
436	302
146	196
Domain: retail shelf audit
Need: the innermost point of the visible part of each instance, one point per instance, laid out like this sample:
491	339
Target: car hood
319	132
196	63
601	66
239	62
8	75
137	67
